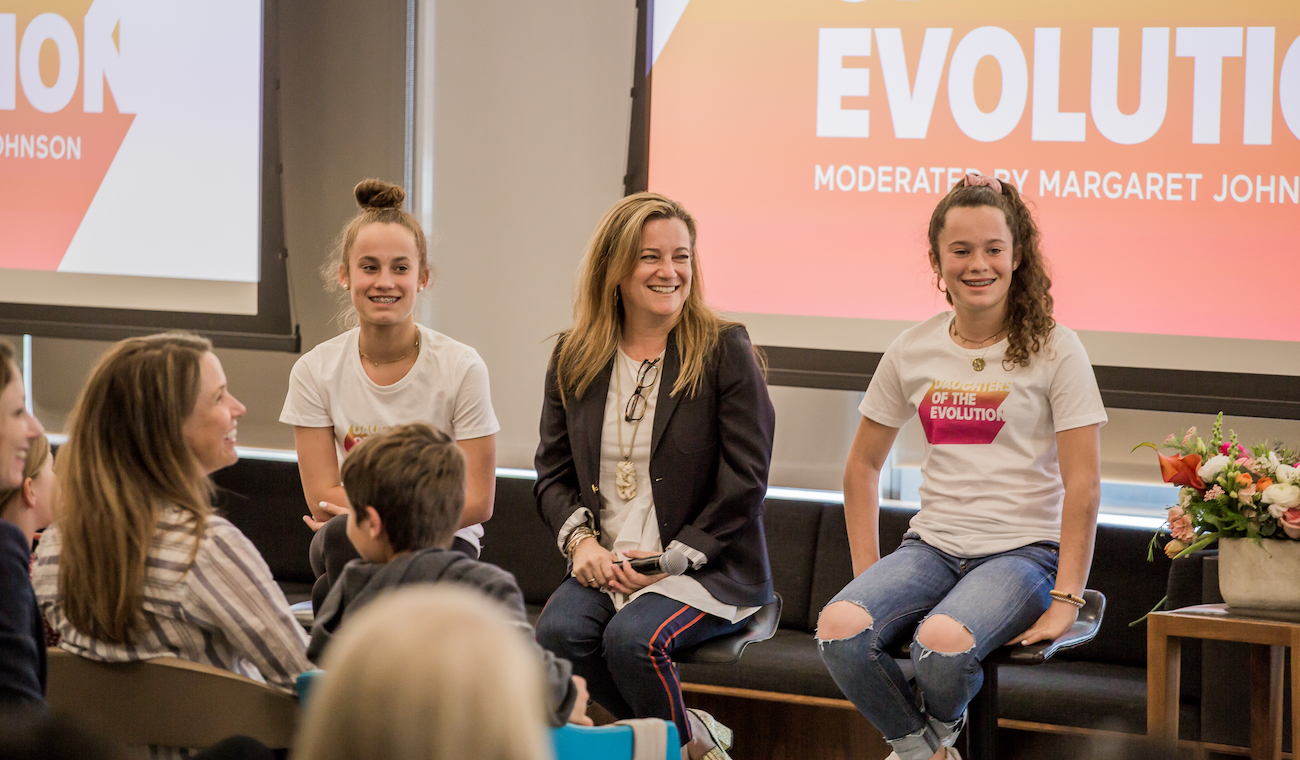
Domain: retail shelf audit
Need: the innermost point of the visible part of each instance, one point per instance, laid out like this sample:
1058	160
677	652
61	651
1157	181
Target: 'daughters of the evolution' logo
956	411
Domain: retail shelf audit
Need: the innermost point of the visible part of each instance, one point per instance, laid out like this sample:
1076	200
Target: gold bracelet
576	537
1068	598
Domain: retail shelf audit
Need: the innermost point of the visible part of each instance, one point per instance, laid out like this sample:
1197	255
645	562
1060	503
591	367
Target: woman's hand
628	581
578	716
593	565
330	510
1056	621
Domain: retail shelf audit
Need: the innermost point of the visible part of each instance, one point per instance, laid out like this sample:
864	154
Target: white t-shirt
991	478
447	388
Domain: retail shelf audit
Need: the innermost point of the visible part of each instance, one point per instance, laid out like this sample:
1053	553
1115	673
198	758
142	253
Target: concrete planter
1260	575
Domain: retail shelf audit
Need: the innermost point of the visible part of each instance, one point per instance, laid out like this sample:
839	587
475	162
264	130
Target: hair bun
377	194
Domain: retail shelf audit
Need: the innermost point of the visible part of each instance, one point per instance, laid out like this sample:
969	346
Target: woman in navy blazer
656	436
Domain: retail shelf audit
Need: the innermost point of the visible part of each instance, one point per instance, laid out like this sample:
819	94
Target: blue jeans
626	655
994	597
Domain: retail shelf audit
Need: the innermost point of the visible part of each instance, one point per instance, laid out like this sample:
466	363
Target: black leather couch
1099	685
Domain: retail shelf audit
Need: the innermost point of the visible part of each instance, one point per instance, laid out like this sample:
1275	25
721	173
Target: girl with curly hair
1000	549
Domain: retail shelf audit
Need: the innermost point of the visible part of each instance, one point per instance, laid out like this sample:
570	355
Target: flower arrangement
1228	490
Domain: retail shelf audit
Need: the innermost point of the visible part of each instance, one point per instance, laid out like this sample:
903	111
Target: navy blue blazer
709	459
22	629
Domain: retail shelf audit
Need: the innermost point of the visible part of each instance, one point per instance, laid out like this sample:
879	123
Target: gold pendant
625	479
978	364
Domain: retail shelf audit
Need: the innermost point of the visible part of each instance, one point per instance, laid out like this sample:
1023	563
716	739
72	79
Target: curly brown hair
1029	301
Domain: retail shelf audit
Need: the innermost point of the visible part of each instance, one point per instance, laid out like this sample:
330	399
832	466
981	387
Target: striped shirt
223	609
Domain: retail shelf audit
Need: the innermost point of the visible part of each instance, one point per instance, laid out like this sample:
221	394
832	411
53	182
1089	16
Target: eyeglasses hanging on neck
645	379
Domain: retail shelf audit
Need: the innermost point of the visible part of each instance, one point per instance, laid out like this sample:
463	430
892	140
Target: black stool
982	713
726	649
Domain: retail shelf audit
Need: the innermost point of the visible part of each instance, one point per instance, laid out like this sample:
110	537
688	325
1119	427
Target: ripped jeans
994	597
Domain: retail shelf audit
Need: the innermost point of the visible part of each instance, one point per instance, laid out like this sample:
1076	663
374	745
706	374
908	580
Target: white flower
1212	467
1287	474
1280	497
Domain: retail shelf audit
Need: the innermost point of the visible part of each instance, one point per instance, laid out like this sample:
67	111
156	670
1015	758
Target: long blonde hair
588	347
125	459
428	672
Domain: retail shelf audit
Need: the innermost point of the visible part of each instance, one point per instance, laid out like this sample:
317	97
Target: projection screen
139	171
1159	143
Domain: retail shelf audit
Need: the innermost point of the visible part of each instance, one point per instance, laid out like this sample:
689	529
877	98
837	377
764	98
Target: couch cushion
792	528
1083	694
787	663
517	540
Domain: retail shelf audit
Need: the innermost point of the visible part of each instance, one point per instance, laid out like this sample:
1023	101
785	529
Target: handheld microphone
671	562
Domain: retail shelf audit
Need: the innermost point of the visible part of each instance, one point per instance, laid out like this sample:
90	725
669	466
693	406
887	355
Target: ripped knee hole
842	620
945	635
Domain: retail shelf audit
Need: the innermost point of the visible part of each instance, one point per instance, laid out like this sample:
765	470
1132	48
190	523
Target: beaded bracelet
1068	598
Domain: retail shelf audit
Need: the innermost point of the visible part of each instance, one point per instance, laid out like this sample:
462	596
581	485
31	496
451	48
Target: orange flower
1262	484
1243	479
1181	470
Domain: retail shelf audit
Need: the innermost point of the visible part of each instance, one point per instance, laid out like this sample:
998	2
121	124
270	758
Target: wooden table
1269	633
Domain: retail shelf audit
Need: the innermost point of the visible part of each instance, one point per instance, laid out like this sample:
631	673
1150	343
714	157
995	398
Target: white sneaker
952	754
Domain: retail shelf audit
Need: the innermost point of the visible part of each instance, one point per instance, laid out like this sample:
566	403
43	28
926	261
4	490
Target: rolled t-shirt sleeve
304	405
886	402
1073	394
473	416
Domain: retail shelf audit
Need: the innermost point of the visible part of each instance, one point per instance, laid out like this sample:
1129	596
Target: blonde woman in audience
30	504
428	673
136	564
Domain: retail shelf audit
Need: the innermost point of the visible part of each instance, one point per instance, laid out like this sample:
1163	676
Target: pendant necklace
374	363
976	363
625	470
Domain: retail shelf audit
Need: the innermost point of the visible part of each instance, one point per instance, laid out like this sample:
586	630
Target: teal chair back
612	742
304	683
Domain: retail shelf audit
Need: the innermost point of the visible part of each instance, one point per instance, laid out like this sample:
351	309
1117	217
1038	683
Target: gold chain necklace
625	470
976	363
414	348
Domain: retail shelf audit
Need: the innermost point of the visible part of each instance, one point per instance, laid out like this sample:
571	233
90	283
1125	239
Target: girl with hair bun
386	370
999	552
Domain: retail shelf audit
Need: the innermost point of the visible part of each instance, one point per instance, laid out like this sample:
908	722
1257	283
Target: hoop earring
938	284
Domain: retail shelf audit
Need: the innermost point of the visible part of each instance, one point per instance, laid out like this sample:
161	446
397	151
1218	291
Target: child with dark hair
406	488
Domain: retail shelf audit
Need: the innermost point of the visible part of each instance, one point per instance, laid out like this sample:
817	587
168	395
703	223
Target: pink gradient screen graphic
1158	144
